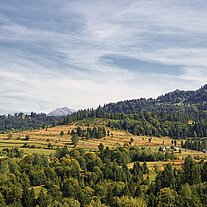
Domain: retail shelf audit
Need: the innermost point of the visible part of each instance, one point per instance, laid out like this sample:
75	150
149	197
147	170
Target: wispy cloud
85	53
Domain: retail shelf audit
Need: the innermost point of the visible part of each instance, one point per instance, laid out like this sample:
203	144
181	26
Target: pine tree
42	199
74	139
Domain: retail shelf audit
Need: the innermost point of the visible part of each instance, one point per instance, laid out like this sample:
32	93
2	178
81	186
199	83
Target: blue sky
84	53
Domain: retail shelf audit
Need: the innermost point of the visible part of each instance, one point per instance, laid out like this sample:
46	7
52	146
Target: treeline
90	132
176	100
199	97
12	152
176	124
153	127
176	96
100	179
21	122
199	145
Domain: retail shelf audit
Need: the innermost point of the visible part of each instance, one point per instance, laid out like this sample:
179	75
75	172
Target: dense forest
178	114
90	132
21	121
198	144
98	179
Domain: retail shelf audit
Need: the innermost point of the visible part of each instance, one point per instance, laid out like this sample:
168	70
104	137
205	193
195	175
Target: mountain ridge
187	103
175	99
61	112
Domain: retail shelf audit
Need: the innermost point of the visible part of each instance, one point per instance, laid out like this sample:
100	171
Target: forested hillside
173	101
199	96
21	122
178	114
100	179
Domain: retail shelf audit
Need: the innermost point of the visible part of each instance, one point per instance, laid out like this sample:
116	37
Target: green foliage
14	152
199	145
102	178
94	132
130	202
27	137
188	197
167	198
61	133
74	139
2	201
191	171
21	122
42	199
96	203
70	202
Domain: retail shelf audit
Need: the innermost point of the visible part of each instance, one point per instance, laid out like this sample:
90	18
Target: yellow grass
41	138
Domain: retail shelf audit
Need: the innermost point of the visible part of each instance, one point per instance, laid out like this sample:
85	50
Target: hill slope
173	101
199	96
178	114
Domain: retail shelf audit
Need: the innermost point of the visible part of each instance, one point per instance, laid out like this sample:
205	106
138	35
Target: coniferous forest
21	121
103	178
179	114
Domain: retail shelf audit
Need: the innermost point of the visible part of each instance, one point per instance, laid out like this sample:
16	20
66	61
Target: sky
85	53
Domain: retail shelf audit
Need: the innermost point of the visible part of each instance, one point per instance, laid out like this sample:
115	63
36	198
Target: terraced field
49	139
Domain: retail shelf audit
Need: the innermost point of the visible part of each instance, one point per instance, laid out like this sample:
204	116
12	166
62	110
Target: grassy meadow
48	140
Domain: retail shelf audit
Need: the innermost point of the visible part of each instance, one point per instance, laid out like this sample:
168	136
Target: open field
48	140
159	164
39	140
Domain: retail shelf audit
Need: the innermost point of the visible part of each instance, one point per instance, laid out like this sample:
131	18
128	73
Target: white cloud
45	62
195	74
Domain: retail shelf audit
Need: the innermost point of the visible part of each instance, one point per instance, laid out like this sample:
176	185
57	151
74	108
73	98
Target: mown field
48	140
41	138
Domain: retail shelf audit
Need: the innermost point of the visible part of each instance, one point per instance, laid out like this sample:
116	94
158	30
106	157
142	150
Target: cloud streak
85	53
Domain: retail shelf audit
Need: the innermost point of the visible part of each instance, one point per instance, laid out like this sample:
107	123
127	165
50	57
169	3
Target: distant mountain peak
61	112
